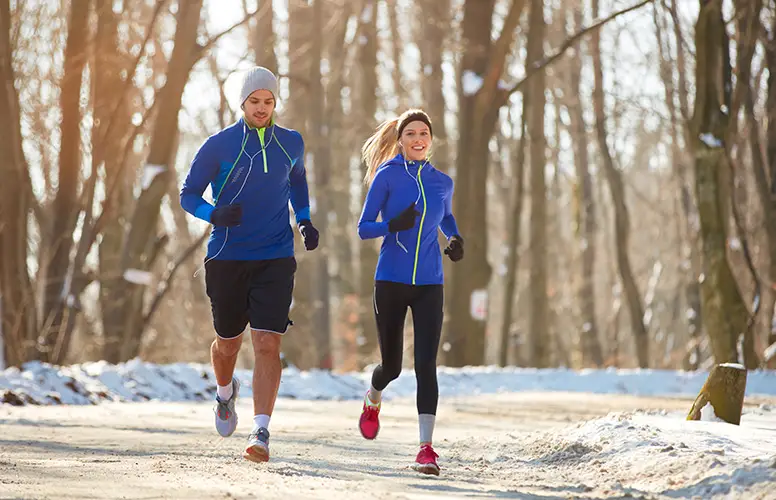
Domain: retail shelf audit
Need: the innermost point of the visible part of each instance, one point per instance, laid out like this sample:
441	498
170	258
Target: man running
254	168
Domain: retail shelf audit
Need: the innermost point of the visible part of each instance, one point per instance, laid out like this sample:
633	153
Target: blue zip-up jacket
412	257
263	187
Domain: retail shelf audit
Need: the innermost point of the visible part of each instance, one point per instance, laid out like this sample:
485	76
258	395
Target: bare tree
621	216
724	312
65	207
17	305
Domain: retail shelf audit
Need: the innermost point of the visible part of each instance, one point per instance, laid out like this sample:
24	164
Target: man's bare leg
223	356
266	381
266	371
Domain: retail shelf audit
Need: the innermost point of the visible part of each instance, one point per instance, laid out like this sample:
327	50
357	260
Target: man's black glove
227	216
454	248
403	221
309	234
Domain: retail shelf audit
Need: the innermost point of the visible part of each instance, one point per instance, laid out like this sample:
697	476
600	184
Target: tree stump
724	389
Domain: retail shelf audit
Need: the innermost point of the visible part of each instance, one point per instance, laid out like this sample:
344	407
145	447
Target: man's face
258	108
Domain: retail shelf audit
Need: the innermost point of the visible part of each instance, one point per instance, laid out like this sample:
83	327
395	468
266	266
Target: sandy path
170	450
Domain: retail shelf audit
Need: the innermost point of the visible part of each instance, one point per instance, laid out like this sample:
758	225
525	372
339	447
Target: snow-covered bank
640	454
91	383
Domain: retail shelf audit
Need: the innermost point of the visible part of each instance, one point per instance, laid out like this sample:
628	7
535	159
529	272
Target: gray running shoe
258	445
226	417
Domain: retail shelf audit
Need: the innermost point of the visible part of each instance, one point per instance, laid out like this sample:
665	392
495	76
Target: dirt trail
170	450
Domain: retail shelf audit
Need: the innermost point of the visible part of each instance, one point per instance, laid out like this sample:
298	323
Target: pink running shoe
369	423
425	462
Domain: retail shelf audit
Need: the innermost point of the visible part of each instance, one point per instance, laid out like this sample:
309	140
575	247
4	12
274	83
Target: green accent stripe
284	149
420	229
242	148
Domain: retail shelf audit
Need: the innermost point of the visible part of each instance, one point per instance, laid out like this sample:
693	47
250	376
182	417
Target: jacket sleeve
448	225
203	170
376	196
300	193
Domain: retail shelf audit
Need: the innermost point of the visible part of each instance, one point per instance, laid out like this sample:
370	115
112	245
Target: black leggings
391	301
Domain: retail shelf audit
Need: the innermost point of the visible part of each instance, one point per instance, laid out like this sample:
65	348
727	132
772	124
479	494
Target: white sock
261	421
224	391
374	396
426	423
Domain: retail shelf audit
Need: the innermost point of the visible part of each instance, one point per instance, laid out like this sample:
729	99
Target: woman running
414	200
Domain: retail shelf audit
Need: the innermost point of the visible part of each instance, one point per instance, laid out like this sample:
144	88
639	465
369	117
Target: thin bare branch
540	65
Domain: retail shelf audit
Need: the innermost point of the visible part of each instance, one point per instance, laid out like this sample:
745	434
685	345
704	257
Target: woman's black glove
454	248
227	216
403	221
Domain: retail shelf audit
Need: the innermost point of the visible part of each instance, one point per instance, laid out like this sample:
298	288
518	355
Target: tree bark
65	209
17	302
621	216
724	390
689	258
592	354
434	27
297	349
366	102
263	36
343	273
509	347
538	319
321	149
724	312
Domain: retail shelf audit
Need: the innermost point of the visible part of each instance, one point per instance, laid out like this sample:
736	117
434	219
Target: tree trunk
621	216
366	102
321	148
770	57
466	333
509	347
263	36
142	243
397	46
340	231
592	354
17	301
689	258
724	390
724	312
538	319
65	207
434	27
298	349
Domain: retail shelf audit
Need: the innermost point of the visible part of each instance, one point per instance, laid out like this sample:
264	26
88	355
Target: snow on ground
91	383
641	453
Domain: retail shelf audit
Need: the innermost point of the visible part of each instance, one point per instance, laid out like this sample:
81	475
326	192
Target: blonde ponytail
379	148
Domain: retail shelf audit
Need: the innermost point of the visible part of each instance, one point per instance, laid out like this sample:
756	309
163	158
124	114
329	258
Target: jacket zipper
420	228
260	133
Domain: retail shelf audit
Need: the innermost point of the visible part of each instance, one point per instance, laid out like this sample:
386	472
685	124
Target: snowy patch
471	82
737	366
710	140
709	415
138	276
150	171
135	380
638	454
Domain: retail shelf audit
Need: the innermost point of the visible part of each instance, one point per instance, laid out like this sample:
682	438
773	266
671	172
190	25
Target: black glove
228	216
454	248
309	234
403	221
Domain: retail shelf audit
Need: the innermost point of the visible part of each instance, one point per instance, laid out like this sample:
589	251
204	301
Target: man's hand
403	221
454	248
226	216
309	234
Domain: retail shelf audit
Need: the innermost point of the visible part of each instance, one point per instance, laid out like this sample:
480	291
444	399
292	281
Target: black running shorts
255	291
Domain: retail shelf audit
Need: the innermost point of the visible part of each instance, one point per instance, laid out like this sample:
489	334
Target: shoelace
223	410
427	450
371	413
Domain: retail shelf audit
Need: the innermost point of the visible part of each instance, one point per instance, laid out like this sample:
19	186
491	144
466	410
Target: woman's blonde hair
384	143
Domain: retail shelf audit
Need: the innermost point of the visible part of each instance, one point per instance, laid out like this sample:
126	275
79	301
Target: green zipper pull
260	133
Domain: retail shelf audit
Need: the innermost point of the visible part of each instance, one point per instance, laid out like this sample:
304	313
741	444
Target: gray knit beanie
257	78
